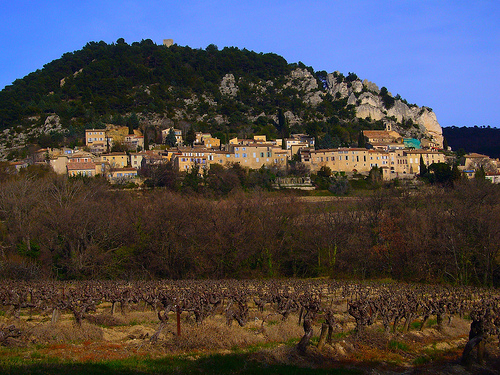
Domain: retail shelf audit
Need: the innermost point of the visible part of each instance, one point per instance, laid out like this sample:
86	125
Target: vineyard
318	324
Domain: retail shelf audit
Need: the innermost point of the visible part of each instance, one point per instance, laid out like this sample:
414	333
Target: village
395	156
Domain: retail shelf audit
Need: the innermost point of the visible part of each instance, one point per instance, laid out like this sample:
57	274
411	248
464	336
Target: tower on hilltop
168	42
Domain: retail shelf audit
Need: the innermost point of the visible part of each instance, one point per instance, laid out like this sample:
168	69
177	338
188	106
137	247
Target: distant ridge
483	140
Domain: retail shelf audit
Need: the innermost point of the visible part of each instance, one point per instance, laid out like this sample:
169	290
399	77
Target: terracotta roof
75	166
422	152
115	154
126	169
475	155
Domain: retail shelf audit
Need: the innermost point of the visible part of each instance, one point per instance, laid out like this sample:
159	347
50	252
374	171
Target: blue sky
441	54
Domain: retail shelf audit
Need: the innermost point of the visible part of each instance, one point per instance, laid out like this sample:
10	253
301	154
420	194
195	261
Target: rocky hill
371	102
228	92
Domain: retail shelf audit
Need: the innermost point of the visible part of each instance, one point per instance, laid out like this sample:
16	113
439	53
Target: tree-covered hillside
169	86
117	78
483	140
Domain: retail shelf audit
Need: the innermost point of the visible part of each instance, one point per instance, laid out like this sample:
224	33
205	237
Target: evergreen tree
456	175
480	174
327	142
146	138
423	167
132	123
361	140
170	140
445	144
283	125
190	136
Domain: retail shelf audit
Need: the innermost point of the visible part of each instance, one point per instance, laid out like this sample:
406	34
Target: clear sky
444	54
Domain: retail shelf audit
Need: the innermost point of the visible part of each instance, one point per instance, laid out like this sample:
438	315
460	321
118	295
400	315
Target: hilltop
228	92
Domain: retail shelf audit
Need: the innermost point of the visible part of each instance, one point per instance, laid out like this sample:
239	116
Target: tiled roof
75	166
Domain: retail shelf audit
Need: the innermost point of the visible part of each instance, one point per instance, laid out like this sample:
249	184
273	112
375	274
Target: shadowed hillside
483	140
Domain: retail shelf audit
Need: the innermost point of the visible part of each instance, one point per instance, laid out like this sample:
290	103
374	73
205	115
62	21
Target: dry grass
212	336
106	320
215	334
65	332
279	331
104	336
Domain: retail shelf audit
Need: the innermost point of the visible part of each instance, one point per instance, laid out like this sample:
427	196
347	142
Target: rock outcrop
303	80
228	86
369	104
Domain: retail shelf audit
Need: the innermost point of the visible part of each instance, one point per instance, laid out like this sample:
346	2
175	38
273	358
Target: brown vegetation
53	227
326	321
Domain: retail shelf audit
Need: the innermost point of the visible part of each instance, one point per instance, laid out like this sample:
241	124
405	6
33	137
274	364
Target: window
236	155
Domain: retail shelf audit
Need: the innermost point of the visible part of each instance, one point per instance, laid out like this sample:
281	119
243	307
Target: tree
161	175
170	140
361	140
146	137
192	179
387	99
456	175
190	136
445	144
423	167
480	173
375	176
119	147
132	123
298	169
283	126
441	173
324	172
327	142
339	186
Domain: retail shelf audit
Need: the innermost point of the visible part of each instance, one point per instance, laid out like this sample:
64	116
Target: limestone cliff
365	96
